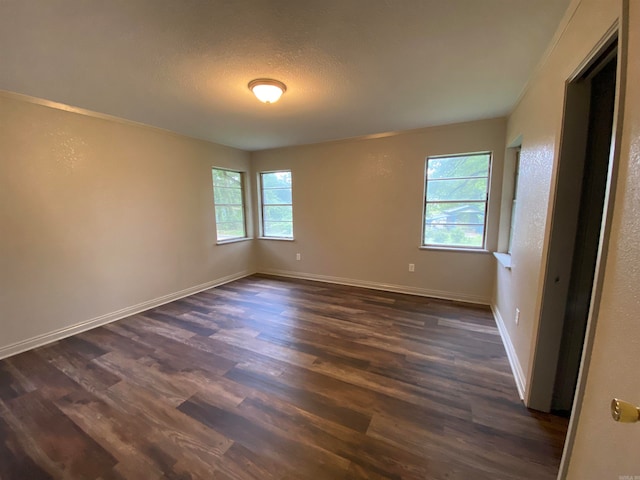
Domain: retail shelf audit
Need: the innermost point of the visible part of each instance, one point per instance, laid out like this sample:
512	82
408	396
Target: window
516	174
228	197
277	208
455	210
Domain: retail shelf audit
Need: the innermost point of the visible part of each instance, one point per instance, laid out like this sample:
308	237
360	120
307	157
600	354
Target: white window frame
263	235
514	201
243	205
426	202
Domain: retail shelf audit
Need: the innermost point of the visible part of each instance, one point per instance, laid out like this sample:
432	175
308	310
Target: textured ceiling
352	67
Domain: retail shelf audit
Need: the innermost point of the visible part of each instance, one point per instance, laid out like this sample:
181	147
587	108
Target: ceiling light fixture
267	90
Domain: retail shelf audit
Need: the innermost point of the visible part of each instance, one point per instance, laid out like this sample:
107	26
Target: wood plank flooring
268	378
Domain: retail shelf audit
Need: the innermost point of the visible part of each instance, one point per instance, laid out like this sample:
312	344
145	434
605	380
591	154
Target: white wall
599	447
537	119
603	448
358	212
98	216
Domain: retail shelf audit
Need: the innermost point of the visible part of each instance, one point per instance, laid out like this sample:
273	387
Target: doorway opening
583	178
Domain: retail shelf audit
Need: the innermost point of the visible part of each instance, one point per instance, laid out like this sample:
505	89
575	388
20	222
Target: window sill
282	239
233	240
454	249
504	259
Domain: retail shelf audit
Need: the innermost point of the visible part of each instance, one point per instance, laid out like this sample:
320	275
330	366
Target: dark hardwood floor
267	378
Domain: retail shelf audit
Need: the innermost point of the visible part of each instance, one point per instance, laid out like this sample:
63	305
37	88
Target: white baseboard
423	292
516	368
56	335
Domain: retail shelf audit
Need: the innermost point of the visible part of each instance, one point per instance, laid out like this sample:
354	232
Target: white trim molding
423	292
516	368
40	340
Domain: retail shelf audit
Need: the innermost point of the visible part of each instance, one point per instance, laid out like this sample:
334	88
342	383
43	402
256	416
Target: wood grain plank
14	459
76	454
315	462
314	402
267	378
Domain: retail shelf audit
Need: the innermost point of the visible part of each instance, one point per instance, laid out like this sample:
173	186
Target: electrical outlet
517	316
297	256
412	267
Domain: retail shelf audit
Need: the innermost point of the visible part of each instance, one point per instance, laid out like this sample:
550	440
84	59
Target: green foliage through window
456	200
228	197
277	208
514	200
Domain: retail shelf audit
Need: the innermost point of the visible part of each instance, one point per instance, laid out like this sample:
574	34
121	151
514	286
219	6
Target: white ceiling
352	67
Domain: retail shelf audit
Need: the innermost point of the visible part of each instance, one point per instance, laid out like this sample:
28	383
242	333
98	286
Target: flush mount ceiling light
267	90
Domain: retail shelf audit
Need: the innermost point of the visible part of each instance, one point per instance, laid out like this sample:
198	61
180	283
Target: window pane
278	214
456	200
226	178
455	167
229	214
276	180
467	189
230	230
228	199
277	196
454	235
225	195
454	213
278	229
277	211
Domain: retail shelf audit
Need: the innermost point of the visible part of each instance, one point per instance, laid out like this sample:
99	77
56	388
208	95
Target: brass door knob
625	412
